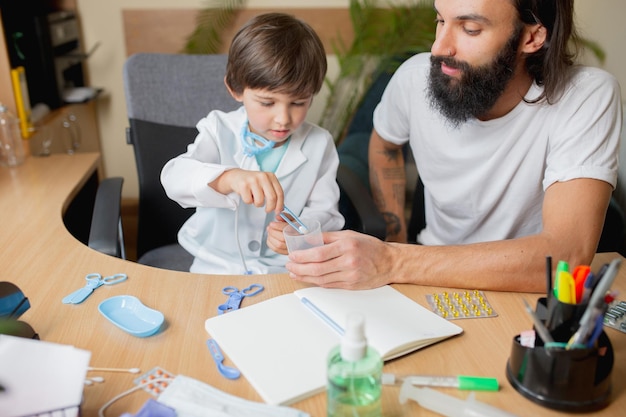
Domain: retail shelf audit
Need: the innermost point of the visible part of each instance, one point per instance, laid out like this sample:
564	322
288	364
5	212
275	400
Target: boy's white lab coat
307	173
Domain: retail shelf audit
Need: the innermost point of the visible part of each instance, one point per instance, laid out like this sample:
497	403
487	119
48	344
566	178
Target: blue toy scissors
235	296
94	281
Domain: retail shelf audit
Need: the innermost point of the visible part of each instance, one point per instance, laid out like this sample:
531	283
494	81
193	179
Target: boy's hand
275	237
254	187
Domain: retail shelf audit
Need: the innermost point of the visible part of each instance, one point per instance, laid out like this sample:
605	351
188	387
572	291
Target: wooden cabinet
6	87
52	124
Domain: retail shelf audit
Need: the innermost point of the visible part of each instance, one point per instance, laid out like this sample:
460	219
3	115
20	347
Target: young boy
246	165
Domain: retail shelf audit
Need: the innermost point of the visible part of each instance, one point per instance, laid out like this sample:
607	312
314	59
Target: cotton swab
92	380
131	370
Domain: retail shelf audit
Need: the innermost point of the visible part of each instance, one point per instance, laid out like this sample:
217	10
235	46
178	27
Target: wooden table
47	263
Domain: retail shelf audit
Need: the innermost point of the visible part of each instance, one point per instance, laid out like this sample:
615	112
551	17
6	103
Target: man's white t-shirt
485	181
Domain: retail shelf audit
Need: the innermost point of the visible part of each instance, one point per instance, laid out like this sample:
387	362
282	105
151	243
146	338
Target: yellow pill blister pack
469	304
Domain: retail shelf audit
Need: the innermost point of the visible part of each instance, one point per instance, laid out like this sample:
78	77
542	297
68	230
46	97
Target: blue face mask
249	139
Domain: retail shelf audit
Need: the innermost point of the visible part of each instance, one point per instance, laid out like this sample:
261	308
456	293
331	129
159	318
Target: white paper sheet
40	377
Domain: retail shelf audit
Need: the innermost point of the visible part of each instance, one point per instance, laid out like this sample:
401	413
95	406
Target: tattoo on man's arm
392	154
393	223
395	173
398	193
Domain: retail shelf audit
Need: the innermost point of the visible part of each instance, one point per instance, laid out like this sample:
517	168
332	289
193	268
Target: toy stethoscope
248	140
250	149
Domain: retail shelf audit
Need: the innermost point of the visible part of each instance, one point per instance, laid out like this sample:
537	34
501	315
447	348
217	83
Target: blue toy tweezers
300	227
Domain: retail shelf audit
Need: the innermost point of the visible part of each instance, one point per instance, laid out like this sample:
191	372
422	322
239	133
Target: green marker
562	266
472	383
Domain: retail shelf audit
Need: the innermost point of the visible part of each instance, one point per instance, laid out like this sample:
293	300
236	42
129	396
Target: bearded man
516	146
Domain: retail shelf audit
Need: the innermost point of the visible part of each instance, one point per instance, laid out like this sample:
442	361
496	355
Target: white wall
600	20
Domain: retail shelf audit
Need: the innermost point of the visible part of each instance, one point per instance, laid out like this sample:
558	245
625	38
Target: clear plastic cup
299	241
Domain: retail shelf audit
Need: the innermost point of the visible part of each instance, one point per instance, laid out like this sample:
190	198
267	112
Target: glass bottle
71	133
11	148
354	374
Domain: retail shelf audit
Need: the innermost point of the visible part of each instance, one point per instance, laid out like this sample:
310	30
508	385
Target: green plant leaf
210	24
595	49
382	33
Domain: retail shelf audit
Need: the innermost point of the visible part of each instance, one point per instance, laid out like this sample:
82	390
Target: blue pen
599	276
580	338
322	315
596	331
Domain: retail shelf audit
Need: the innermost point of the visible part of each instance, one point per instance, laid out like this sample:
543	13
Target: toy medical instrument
300	227
235	296
129	314
94	281
462	382
248	140
227	371
448	405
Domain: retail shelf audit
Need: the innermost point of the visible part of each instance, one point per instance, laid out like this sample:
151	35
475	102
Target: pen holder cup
561	319
575	380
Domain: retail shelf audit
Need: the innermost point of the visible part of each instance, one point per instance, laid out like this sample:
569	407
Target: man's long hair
550	66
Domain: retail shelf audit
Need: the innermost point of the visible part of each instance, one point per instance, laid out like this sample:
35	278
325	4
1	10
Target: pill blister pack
467	304
615	316
155	380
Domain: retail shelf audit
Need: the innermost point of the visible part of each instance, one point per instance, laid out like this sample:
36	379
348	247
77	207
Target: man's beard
478	89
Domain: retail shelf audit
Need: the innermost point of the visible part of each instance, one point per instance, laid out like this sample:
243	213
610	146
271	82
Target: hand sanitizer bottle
354	374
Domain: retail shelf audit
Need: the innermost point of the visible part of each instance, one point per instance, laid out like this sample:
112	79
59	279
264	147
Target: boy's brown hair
277	52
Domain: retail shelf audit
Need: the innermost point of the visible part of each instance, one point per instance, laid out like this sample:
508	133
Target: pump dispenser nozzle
353	342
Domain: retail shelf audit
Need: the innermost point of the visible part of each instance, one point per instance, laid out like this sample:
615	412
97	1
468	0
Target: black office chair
166	96
355	199
106	234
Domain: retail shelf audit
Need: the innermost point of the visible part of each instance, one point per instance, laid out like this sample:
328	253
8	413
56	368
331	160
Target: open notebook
280	345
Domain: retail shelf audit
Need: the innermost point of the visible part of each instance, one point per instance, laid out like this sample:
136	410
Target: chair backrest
166	96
